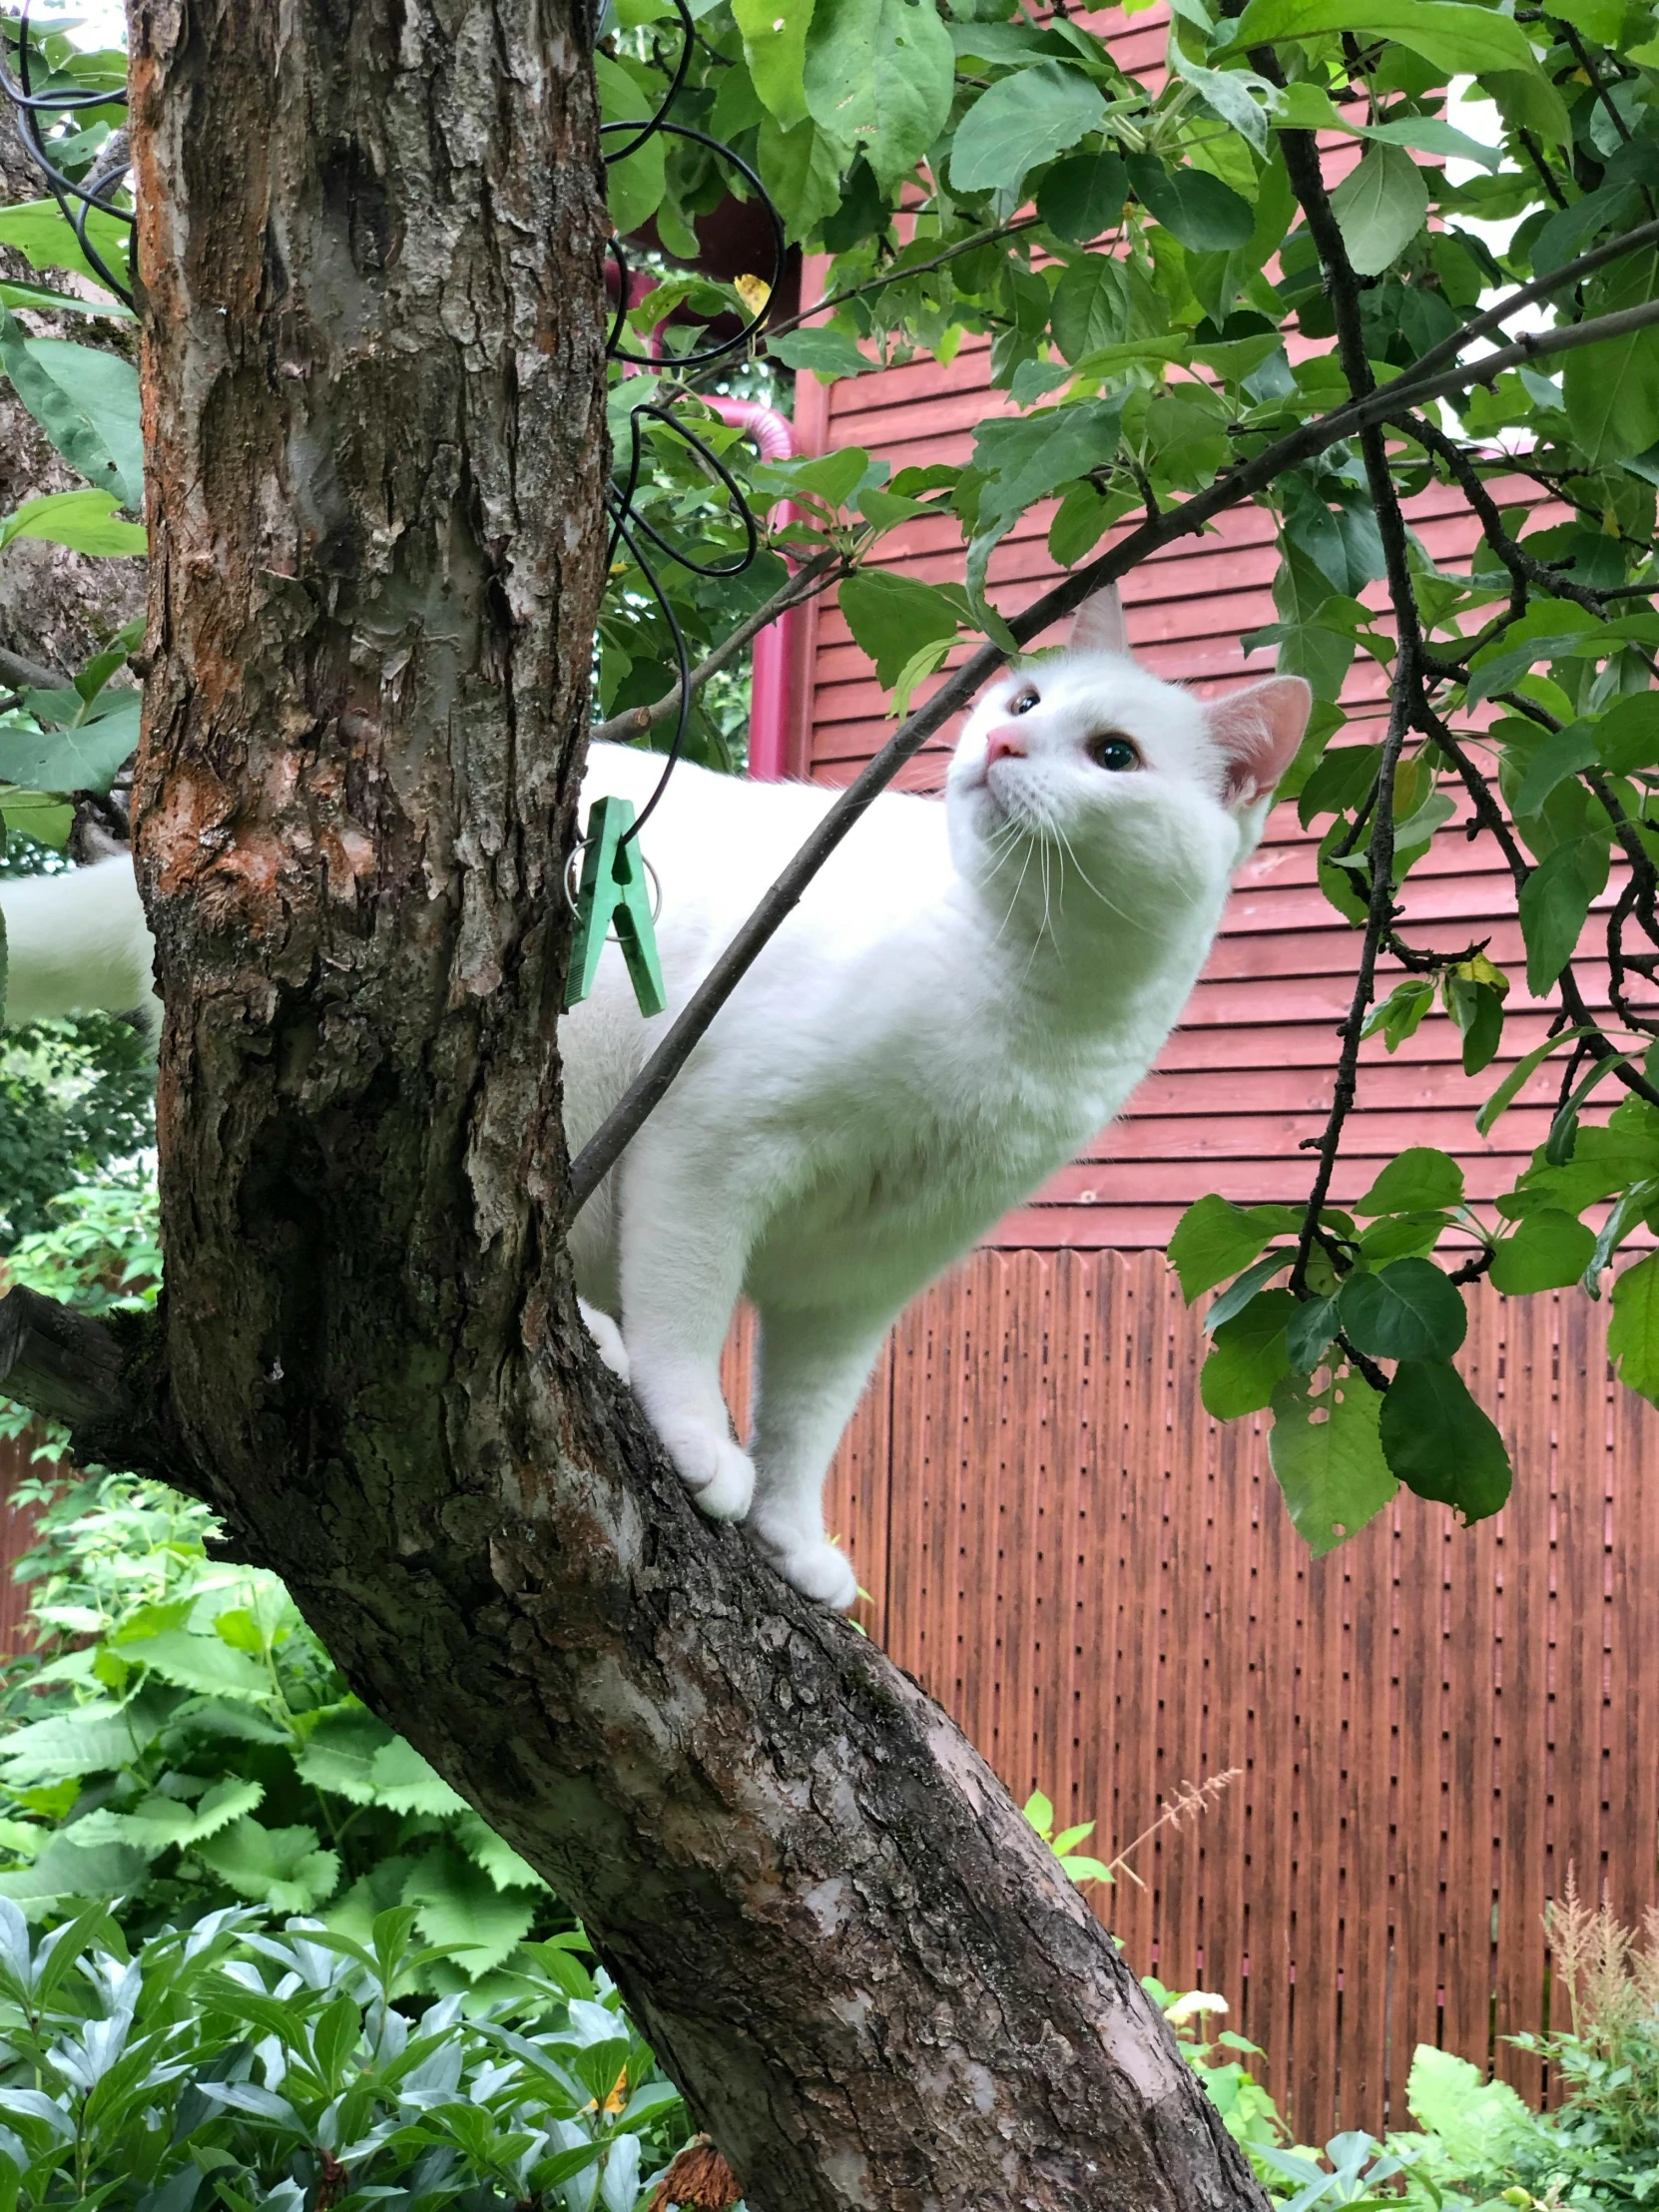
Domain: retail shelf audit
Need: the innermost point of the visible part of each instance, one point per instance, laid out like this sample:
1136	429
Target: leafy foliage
178	1737
73	1096
239	2065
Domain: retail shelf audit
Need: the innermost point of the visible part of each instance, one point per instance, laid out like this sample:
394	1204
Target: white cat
967	993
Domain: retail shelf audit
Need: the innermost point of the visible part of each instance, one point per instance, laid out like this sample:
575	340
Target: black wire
78	203
752	535
621	519
31	106
649	127
779	256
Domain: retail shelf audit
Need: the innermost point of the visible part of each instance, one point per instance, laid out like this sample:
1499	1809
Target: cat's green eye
1115	753
1023	704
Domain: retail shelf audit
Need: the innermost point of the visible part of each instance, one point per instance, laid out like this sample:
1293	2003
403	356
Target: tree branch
1301	159
16	667
606	1144
809	580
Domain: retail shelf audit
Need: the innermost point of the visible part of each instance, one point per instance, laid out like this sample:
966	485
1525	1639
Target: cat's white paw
818	1569
719	1473
608	1336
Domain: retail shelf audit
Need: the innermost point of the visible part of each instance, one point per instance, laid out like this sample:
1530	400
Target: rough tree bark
371	245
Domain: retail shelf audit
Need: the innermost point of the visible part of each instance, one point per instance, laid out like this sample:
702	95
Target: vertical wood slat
1103	1587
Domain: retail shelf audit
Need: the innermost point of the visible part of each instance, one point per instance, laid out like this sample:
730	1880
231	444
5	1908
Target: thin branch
1519	563
15	668
1301	159
898	276
808	581
602	1151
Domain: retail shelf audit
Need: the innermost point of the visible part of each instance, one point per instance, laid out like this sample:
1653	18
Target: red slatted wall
1102	1586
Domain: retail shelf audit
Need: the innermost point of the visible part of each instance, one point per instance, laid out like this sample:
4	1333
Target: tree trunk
371	243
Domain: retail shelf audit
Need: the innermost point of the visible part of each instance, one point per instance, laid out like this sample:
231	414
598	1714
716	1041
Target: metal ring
571	886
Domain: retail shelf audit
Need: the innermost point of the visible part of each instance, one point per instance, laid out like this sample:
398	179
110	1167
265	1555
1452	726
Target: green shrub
239	2065
179	1740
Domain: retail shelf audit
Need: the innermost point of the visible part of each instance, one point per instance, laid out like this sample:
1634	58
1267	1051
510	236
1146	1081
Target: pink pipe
778	646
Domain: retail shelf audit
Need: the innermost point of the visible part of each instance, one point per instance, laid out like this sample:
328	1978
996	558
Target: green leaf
892	615
1193	207
1407	1310
200	1663
1481	2125
341	1751
1027	458
1478	1010
1091	307
1457	38
461	1904
64	1870
1633	1331
1420	1177
1328	1456
1020	123
278	1867
801	170
775	47
1083	195
42	300
1240	1292
36	227
1611	389
1562	754
83	760
1214	1238
497	1856
85	521
160	1823
404	1781
1379	207
1555	903
828	352
1438	1442
1248	1358
95	1739
1509	1089
880	73
1626	736
1550	1250
1309	1332
86	402
39	816
634	184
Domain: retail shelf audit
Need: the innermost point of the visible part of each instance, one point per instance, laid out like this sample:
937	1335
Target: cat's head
1086	752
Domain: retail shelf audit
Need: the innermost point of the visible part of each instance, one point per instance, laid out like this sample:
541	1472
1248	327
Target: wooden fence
1433	1724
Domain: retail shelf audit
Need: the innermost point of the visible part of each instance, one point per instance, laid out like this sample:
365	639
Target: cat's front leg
683	1247
812	1368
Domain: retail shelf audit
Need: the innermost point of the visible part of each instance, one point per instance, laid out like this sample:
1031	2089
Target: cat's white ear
1258	731
1098	625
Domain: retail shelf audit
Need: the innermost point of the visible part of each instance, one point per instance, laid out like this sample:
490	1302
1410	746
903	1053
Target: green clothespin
614	890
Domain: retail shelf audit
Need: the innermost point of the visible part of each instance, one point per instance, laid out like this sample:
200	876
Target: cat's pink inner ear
1258	732
1098	625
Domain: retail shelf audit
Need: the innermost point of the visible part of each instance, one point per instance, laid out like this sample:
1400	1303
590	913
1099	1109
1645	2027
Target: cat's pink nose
1003	745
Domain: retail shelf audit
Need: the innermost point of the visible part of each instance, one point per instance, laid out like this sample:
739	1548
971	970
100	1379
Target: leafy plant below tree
236	2064
176	1738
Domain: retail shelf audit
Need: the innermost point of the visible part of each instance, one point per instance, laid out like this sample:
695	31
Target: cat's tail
78	942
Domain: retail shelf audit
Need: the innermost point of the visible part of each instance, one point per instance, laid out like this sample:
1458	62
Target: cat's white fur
968	993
